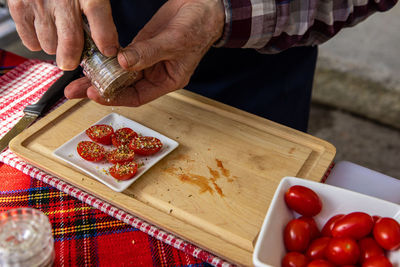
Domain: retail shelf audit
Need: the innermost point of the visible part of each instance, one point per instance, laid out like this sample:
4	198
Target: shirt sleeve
271	26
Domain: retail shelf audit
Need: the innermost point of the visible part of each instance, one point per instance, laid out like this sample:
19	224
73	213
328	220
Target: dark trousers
277	87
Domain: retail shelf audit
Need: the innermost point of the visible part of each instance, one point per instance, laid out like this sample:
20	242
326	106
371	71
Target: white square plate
98	170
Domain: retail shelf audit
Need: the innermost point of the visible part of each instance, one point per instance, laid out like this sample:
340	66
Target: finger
142	54
23	18
46	33
141	93
94	95
69	36
147	91
102	27
77	88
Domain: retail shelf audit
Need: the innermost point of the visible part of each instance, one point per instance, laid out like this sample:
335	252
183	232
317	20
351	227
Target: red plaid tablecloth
8	61
87	231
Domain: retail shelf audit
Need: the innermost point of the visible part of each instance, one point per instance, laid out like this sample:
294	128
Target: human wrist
226	5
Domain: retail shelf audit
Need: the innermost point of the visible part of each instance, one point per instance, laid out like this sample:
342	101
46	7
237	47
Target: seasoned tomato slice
100	133
123	136
145	145
123	171
121	154
90	151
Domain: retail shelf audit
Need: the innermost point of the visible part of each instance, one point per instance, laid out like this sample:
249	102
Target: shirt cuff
248	23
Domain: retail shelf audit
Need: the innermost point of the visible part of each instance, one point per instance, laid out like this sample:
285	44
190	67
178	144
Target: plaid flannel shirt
271	26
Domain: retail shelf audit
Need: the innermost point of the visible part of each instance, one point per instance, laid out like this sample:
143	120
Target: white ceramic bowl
270	250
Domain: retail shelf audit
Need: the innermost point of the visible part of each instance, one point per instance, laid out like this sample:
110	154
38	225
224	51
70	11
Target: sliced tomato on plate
90	151
100	133
145	145
121	154
123	136
123	171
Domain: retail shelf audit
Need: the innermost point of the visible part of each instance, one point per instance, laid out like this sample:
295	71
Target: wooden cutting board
214	189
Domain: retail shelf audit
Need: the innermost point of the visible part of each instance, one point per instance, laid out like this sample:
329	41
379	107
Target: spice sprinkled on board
224	171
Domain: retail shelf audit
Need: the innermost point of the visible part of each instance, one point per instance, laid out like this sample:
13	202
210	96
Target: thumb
142	54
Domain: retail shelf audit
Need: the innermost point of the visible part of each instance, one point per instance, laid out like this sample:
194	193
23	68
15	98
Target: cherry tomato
315	233
297	235
123	171
90	151
376	217
387	233
342	250
294	259
100	133
123	136
355	225
145	145
303	200
320	263
316	250
377	261
121	154
327	229
369	248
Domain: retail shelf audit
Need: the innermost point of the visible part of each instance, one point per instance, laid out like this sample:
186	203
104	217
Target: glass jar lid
25	238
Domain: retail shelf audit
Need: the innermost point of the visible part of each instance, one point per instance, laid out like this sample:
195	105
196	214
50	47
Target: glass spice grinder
105	73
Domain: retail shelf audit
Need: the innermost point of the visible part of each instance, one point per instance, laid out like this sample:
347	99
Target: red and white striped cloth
24	85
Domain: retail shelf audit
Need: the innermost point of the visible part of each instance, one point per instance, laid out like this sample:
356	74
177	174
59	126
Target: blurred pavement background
356	98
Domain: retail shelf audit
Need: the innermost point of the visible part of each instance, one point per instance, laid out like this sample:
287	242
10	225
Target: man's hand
56	27
165	52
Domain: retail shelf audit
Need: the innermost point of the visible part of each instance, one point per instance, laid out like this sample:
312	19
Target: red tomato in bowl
387	233
376	217
121	154
100	133
316	250
90	151
327	229
369	248
342	251
294	259
145	145
315	233
123	136
377	261
356	225
320	263
297	235
123	171
303	200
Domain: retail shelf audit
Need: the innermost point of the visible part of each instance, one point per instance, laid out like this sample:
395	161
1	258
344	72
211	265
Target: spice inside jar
105	73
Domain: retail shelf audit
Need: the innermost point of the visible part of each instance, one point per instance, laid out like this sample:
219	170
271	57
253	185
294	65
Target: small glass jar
25	238
105	73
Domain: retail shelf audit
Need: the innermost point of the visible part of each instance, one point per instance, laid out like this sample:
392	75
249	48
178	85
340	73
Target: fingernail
110	51
131	57
65	66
